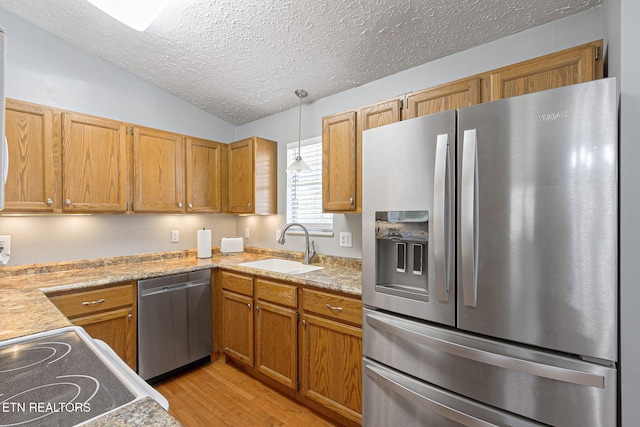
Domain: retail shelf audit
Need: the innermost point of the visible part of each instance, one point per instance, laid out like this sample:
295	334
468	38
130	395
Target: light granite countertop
26	308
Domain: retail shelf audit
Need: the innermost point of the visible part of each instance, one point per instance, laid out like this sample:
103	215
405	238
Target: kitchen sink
284	266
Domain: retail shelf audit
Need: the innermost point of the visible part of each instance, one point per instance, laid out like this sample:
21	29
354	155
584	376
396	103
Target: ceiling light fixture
137	14
299	164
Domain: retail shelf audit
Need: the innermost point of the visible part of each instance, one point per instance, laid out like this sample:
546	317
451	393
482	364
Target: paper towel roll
204	243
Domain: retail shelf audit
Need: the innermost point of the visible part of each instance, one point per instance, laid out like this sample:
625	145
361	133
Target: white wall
44	69
283	127
625	63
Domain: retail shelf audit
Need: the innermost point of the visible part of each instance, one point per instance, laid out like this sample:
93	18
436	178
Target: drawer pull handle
332	308
99	301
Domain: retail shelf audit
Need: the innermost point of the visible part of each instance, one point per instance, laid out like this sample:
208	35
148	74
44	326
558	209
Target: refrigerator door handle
446	411
528	367
441	236
468	213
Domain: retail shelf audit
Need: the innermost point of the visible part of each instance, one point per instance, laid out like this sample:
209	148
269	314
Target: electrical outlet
5	245
346	239
278	235
247	234
175	236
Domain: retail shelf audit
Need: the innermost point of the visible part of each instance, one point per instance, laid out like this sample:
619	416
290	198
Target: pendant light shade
299	164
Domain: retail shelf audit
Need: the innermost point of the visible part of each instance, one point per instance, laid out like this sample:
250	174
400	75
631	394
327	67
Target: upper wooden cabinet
94	164
158	171
575	65
342	132
252	186
206	176
342	153
339	154
34	150
448	96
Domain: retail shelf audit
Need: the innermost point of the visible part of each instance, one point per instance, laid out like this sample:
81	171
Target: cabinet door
94	164
339	162
117	328
449	96
241	177
237	327
204	175
158	162
332	365
276	340
575	65
30	183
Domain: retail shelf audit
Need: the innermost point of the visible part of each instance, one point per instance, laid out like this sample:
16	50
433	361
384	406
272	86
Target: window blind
304	189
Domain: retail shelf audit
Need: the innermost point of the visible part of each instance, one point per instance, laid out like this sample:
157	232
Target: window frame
317	228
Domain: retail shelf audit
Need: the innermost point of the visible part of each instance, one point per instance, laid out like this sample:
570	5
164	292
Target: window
304	189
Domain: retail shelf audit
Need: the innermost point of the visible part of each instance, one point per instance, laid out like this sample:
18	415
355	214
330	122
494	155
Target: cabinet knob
257	309
304	323
190	205
67	202
249	205
49	201
351	200
179	204
130	316
249	305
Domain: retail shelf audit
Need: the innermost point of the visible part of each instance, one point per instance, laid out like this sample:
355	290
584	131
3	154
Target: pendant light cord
299	127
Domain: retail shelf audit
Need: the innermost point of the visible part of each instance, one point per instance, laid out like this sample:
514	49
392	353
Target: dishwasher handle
163	289
173	288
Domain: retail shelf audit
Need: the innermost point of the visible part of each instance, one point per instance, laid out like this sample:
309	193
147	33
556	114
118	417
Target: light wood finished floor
219	394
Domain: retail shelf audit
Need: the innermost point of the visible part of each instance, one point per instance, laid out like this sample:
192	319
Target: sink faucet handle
312	252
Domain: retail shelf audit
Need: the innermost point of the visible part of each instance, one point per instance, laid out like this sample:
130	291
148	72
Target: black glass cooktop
56	380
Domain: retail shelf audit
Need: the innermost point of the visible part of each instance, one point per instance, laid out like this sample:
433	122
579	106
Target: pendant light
299	164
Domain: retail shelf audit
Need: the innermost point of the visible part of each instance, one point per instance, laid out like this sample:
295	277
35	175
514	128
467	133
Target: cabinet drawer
237	283
333	306
278	293
87	302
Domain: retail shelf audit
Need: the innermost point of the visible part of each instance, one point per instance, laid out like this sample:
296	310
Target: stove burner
59	381
28	355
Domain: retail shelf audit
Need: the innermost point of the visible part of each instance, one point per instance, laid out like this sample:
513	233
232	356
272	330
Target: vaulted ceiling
241	60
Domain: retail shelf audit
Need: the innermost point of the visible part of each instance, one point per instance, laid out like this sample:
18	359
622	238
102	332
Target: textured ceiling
241	60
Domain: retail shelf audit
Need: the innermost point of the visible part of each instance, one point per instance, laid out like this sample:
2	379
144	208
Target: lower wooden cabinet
314	356
107	314
237	326
332	352
276	331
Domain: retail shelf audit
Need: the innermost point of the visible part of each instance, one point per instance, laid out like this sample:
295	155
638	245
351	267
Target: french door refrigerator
490	263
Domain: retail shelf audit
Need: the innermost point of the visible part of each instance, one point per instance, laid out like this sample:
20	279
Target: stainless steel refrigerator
490	263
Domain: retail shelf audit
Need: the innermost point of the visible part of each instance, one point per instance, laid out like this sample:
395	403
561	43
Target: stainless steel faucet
308	253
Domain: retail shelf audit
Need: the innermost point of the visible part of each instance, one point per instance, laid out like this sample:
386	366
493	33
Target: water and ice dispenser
402	245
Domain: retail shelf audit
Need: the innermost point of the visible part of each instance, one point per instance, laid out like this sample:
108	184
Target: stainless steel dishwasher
174	323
